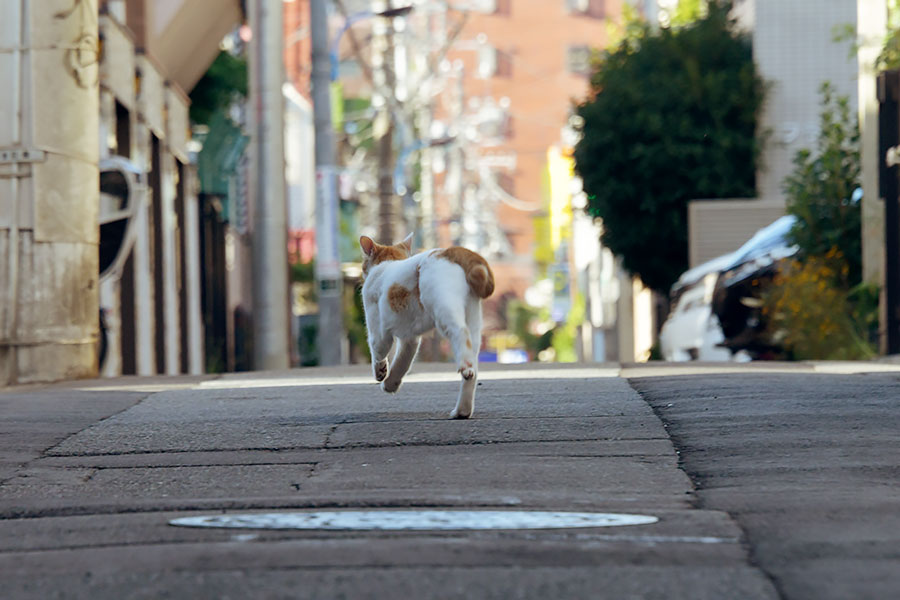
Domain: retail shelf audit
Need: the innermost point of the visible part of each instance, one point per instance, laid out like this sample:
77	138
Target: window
493	63
578	60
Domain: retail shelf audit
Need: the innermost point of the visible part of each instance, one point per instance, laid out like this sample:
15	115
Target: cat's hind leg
452	325
446	294
380	346
402	360
465	404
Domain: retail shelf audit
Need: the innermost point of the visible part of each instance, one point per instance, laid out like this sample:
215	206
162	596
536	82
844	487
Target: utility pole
388	210
270	267
424	117
328	263
459	195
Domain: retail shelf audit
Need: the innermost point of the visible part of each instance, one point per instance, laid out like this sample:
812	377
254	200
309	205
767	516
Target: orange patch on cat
469	344
478	272
383	253
398	297
380	254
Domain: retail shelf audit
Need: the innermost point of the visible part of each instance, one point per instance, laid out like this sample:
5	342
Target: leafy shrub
820	190
817	306
812	317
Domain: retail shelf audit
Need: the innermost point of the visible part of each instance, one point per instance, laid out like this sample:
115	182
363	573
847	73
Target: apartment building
522	64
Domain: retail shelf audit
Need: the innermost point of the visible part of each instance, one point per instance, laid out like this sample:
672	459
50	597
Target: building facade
99	224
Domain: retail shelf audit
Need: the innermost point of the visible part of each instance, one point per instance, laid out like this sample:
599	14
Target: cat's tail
480	280
478	273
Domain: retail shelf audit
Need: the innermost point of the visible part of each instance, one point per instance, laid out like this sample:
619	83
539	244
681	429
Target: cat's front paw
381	369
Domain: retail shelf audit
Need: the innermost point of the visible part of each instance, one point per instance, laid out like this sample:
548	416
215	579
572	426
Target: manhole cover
415	520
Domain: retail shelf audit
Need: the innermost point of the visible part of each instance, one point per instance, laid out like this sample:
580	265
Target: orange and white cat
405	296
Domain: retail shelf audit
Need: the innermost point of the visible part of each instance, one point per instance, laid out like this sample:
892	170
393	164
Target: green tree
889	58
672	117
224	82
687	11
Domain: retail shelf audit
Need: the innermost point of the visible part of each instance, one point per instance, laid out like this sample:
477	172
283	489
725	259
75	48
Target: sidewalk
92	473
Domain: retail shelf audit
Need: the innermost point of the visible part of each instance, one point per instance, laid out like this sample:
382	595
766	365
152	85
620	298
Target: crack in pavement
355	446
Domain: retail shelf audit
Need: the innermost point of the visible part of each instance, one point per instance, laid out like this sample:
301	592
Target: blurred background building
129	182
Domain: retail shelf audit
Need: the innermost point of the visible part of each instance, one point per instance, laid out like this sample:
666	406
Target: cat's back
393	272
450	263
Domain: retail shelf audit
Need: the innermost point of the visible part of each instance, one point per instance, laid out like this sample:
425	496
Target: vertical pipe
328	266
193	275
460	172
384	132
12	302
270	269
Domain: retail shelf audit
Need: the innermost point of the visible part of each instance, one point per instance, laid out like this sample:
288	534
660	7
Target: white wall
795	51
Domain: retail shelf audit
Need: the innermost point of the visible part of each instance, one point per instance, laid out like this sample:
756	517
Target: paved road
91	473
807	464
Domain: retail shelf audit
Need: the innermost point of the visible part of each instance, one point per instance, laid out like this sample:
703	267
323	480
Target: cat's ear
407	243
367	244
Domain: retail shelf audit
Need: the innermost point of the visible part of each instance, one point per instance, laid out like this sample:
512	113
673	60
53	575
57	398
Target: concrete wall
717	227
48	190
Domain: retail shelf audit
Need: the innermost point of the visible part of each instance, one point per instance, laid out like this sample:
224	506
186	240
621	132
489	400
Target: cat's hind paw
390	386
381	370
467	371
457	414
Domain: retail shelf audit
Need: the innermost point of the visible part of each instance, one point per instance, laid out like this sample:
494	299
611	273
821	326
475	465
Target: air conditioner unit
487	62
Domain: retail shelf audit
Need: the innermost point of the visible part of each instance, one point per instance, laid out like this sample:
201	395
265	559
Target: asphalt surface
807	464
777	483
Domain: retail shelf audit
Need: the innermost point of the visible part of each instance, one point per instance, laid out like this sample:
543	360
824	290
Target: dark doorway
181	264
213	293
126	285
154	181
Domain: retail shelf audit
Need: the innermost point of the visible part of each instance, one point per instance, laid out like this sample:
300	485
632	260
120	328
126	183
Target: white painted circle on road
415	520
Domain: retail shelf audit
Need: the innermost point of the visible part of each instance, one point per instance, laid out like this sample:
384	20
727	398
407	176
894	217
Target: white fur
446	303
